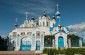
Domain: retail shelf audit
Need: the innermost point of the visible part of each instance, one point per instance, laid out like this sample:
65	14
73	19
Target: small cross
57	6
16	20
26	15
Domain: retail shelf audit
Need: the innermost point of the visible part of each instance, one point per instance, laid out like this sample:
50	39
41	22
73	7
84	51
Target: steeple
16	25
33	17
58	13
44	13
26	15
54	18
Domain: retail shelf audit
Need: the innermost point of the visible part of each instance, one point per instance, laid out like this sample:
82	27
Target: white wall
64	37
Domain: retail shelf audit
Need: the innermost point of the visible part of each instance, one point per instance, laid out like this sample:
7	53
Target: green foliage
74	40
68	51
48	40
49	36
73	37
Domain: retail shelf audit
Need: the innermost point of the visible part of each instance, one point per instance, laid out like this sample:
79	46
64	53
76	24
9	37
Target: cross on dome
26	15
16	22
44	13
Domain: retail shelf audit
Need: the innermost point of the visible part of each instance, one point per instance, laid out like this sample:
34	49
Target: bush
68	51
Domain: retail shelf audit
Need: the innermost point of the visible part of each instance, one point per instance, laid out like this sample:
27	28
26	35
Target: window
43	23
37	33
33	34
47	23
22	33
53	24
14	34
29	33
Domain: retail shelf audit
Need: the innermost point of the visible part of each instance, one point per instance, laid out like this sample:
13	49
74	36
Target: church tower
60	32
16	25
33	21
44	20
26	21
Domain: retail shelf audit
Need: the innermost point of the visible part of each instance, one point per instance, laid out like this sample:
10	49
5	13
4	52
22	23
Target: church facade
30	34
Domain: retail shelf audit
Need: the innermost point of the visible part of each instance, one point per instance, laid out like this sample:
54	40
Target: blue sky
72	12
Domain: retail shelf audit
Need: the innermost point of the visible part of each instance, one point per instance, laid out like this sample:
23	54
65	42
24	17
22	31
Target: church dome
44	14
26	23
59	25
33	18
58	13
53	17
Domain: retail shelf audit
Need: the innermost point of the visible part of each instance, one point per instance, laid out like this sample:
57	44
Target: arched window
37	33
47	23
29	33
53	24
22	33
43	23
14	34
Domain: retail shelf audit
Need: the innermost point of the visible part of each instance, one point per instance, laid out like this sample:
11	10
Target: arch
13	44
25	44
61	42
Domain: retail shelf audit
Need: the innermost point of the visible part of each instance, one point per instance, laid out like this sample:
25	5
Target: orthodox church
30	34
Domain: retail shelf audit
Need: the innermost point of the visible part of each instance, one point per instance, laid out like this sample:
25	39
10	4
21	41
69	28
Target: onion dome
33	18
16	25
26	23
58	13
44	14
59	25
53	17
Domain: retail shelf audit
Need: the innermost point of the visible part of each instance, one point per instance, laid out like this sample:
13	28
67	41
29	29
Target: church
30	34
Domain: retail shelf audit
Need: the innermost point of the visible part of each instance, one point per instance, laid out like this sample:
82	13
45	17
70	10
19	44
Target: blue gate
37	45
60	42
26	45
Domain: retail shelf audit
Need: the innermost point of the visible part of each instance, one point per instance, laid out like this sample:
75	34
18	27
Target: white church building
30	34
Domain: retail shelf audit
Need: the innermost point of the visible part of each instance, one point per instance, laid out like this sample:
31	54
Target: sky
72	12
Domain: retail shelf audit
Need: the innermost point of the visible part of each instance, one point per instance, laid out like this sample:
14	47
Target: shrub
68	51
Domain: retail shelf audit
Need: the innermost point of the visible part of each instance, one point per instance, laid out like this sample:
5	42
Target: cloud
35	6
77	27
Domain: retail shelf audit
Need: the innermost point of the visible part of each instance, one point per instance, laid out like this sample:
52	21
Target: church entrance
60	42
37	45
25	45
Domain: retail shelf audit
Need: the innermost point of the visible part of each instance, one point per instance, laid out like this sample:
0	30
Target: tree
73	37
48	40
74	40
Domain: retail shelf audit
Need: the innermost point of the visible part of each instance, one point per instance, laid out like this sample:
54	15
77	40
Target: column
69	42
53	43
80	42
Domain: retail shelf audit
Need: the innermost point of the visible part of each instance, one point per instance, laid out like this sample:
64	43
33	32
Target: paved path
17	52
